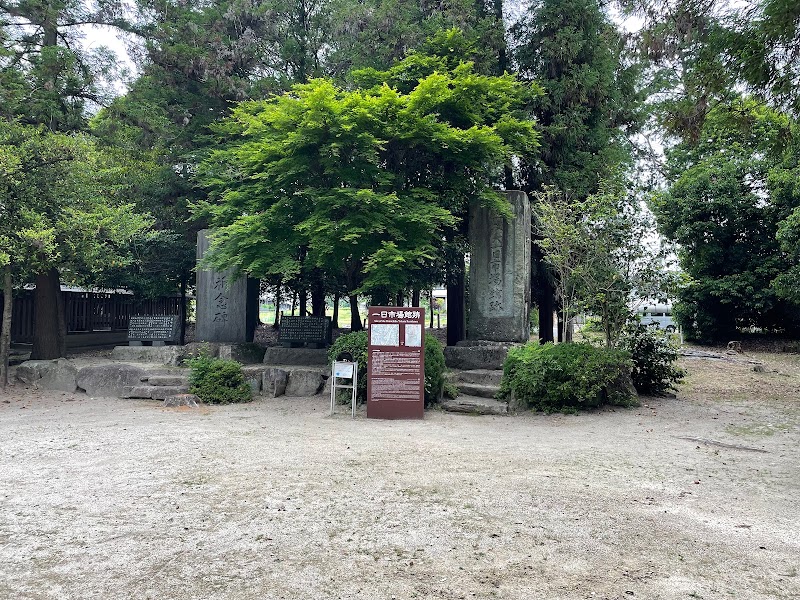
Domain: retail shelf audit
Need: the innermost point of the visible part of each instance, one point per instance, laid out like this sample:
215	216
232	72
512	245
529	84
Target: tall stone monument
227	309
500	272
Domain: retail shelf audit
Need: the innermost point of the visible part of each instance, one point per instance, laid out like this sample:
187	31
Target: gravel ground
104	498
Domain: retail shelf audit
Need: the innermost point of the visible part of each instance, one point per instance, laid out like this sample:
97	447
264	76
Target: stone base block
304	383
164	355
247	354
109	380
475	357
60	374
305	357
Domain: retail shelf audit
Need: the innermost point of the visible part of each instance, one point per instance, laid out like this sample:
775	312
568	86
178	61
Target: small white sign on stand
344	370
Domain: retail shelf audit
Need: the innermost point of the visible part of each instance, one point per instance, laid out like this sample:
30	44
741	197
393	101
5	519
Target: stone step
474	405
479	376
153	392
162	380
468	358
477	389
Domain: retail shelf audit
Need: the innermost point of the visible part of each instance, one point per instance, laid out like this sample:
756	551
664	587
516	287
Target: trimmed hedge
567	377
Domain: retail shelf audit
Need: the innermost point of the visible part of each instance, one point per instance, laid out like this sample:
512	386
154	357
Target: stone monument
227	308
500	272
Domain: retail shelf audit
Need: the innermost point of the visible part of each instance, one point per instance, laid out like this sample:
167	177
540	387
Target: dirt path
275	499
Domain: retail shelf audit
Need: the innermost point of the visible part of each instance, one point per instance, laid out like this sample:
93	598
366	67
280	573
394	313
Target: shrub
355	344
567	377
434	369
654	356
218	381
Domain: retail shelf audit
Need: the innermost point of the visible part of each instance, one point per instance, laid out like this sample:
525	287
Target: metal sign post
344	370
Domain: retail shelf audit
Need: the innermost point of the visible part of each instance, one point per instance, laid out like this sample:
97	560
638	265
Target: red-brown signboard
396	363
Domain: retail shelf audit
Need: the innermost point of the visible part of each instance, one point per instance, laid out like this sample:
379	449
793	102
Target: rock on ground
60	374
109	379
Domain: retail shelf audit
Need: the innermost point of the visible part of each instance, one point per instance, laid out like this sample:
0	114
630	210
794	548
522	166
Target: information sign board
154	328
305	330
396	363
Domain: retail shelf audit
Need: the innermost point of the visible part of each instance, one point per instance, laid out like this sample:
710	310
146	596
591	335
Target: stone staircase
477	391
159	384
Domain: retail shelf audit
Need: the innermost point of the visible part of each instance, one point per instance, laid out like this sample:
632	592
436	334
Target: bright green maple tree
364	182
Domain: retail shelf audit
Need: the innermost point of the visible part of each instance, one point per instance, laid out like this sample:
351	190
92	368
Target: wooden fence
88	312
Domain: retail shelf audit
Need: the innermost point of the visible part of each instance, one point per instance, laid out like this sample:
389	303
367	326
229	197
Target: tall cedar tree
576	53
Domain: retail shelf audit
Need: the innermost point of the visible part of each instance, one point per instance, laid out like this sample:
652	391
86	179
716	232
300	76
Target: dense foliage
355	344
218	381
731	194
654	357
365	183
567	377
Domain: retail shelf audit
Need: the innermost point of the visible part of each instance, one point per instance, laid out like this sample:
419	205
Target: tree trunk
5	330
318	299
400	299
49	334
456	311
277	306
303	303
415	294
335	318
355	318
380	298
294	302
433	306
546	309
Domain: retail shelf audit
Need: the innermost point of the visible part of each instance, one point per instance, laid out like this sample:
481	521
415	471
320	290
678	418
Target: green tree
590	106
366	181
65	211
729	193
49	79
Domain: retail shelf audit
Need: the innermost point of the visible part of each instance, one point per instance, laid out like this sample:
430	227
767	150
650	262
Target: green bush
654	357
434	369
218	381
567	377
355	344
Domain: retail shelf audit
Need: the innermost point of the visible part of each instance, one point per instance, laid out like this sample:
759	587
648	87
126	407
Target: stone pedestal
500	272
227	309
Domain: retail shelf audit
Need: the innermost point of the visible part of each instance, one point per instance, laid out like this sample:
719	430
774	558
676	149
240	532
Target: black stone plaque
154	328
312	331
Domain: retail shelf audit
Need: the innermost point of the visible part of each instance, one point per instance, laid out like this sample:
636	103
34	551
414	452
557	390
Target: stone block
60	374
162	355
247	354
226	308
475	357
153	392
164	380
474	405
108	380
500	272
195	349
189	400
305	357
274	382
304	383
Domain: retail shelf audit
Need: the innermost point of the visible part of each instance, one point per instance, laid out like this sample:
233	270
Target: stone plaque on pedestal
227	309
500	272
